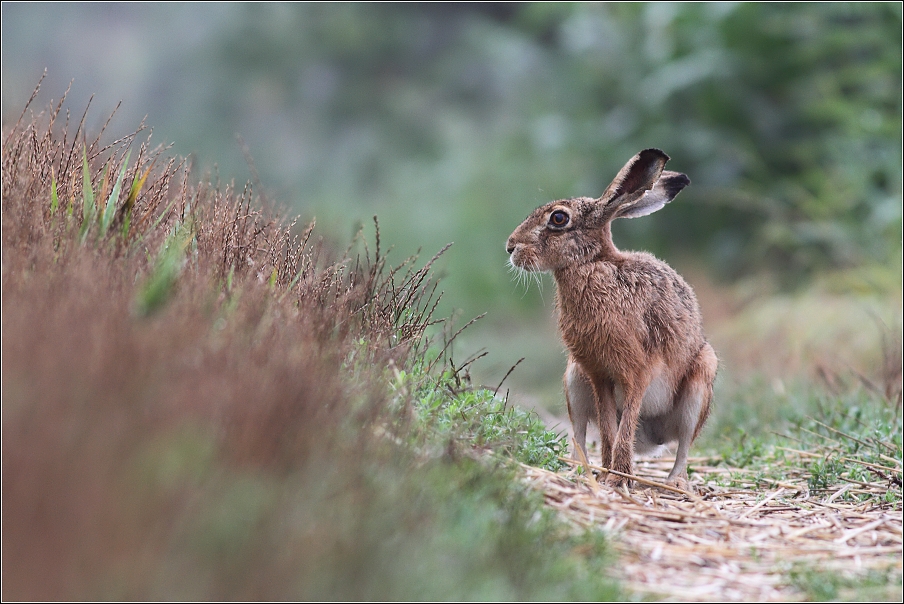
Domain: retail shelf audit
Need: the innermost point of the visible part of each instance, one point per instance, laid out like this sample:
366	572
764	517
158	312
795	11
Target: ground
733	539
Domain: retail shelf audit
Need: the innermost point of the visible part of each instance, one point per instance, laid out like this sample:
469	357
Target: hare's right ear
641	187
664	191
636	177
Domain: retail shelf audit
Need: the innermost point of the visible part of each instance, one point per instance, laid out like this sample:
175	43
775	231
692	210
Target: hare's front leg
607	417
581	403
623	448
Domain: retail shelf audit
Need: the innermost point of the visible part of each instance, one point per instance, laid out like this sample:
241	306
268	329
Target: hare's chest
606	346
602	326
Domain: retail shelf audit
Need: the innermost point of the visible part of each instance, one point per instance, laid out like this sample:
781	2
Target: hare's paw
617	482
679	482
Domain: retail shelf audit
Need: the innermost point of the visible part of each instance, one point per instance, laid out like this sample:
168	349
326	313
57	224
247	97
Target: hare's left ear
641	186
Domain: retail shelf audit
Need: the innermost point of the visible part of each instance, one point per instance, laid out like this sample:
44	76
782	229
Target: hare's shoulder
645	268
634	280
656	281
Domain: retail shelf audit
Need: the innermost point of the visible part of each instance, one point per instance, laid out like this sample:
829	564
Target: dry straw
730	543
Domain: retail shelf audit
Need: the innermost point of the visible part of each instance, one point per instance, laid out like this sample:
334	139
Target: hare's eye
558	218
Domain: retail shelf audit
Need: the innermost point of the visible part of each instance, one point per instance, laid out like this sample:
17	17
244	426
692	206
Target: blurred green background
452	121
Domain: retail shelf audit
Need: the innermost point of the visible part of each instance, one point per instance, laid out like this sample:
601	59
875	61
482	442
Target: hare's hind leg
692	408
581	403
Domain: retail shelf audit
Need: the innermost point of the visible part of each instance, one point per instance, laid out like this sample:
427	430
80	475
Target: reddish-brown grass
264	353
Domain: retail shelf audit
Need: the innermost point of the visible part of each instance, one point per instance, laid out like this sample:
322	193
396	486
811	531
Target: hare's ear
636	178
664	191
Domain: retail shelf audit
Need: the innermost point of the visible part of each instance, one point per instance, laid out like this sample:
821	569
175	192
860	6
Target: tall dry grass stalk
195	335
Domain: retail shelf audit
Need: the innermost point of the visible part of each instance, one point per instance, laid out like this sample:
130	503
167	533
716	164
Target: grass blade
54	197
110	209
159	285
88	209
124	216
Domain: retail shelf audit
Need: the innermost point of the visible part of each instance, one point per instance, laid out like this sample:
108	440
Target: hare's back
648	274
670	309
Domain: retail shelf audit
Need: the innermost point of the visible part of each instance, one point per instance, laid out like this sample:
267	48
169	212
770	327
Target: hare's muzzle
511	244
516	256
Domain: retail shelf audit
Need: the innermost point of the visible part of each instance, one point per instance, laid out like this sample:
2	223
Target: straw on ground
734	540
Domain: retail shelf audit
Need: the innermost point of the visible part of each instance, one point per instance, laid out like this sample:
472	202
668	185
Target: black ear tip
654	153
674	184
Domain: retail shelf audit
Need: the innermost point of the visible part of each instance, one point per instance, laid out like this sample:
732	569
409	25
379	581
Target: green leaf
137	184
88	209
110	208
126	210
158	287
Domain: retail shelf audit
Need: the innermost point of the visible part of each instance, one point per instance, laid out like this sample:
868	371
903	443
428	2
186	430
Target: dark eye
558	218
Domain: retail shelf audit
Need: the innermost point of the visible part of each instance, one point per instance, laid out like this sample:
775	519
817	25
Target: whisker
539	279
523	277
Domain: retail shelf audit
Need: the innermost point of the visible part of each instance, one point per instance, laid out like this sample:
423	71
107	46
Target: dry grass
740	537
192	335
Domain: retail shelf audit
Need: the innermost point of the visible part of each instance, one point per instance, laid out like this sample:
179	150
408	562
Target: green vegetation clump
850	440
196	405
823	586
481	419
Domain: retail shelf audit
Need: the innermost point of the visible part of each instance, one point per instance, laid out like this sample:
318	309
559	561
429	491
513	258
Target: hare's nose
509	246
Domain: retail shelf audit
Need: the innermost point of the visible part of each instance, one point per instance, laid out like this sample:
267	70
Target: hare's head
572	231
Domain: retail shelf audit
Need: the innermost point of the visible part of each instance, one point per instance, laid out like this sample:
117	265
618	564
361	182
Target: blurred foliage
453	121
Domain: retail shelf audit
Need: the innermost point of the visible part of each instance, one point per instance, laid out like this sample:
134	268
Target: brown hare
638	360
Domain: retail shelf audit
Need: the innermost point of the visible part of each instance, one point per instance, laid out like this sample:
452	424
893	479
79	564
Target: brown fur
638	360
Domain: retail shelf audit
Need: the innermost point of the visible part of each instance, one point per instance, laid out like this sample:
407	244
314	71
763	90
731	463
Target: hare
638	361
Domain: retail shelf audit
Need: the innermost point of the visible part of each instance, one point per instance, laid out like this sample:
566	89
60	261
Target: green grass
850	437
821	586
477	417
